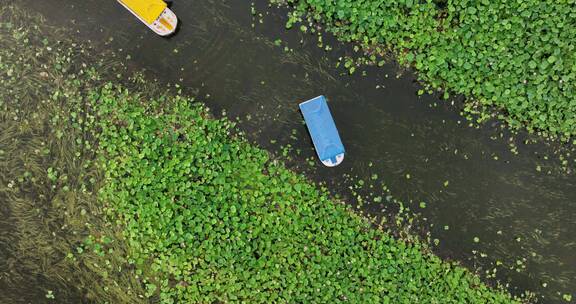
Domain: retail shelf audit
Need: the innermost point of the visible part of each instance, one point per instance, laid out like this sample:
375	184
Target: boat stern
154	13
334	161
165	24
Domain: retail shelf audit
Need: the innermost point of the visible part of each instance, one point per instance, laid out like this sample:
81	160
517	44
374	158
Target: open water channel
482	202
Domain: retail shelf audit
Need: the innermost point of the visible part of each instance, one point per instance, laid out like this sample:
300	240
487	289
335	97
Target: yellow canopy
148	10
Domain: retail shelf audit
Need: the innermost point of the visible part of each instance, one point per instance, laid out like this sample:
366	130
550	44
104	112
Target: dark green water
521	216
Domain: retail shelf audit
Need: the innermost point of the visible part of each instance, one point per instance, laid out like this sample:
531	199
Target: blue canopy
323	130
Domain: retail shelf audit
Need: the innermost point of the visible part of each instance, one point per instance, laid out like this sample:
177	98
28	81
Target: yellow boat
154	13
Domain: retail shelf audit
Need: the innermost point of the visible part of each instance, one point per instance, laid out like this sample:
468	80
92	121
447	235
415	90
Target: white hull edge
329	163
311	99
157	26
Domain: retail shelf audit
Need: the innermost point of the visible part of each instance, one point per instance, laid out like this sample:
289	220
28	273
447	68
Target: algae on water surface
517	57
124	196
47	174
208	216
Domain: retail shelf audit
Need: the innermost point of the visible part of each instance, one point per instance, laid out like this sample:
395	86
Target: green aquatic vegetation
516	57
47	176
127	196
210	217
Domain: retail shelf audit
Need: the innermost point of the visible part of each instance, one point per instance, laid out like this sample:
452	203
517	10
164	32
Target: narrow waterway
485	204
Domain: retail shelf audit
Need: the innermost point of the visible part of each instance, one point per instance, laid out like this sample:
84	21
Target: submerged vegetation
55	243
517	57
122	193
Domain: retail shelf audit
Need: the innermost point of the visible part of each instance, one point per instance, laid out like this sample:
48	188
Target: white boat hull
330	163
164	25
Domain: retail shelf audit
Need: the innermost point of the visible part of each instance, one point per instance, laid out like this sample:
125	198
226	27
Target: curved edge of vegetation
208	216
131	198
518	57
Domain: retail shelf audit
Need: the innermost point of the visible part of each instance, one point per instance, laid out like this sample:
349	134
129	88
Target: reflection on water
473	186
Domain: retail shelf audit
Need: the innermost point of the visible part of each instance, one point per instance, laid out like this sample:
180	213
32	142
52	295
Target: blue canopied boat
323	131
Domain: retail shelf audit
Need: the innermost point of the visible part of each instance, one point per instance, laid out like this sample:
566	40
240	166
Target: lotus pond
493	201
